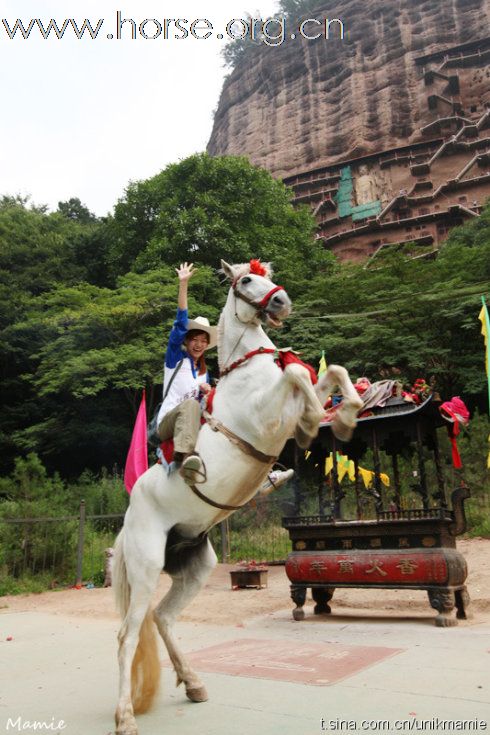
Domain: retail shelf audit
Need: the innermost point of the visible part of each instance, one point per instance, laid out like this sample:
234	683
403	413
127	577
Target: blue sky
84	117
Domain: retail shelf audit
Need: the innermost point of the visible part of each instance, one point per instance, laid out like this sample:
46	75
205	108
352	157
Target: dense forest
87	304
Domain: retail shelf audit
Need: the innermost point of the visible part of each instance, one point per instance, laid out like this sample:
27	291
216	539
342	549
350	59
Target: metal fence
62	550
70	550
254	533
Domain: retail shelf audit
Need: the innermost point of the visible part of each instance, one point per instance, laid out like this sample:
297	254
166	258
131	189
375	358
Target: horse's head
257	297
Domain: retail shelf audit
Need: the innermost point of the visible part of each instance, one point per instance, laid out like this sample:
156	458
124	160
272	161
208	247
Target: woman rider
185	382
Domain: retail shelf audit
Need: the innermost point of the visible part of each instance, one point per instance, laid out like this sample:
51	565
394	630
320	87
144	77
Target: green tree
297	8
26	546
97	349
38	252
204	209
74	209
410	317
87	305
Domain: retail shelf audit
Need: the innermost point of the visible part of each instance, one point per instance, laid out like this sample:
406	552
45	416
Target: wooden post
396	481
81	536
321	483
439	472
378	498
423	477
225	541
337	490
356	486
296	483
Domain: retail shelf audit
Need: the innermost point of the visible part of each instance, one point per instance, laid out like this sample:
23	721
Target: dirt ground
218	604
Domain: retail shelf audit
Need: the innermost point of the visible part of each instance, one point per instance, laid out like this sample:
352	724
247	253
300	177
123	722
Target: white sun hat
203	325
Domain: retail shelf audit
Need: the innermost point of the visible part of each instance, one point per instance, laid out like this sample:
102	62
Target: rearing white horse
257	407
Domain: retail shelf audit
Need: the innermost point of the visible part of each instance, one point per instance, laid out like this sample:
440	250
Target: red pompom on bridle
257	268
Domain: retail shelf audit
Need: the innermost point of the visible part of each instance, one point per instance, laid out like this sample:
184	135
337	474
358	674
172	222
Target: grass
96	542
260	544
478	517
26	584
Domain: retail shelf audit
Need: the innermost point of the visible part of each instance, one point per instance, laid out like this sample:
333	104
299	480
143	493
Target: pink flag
137	459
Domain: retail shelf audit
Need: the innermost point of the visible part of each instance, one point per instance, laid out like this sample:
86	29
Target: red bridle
259	305
269	295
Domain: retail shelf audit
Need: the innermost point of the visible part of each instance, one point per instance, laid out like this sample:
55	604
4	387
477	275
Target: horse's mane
253	266
220	334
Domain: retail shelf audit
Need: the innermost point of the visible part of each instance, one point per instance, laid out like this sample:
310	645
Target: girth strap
209	501
244	446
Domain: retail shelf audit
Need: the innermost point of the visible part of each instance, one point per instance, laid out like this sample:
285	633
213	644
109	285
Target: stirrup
275	479
186	472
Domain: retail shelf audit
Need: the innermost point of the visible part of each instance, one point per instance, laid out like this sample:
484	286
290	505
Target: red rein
241	360
283	359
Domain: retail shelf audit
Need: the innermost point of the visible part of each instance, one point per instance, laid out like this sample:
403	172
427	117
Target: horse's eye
246	280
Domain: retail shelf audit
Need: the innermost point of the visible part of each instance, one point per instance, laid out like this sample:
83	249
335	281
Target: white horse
257	407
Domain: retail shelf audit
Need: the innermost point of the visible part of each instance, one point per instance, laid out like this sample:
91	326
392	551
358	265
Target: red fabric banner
137	459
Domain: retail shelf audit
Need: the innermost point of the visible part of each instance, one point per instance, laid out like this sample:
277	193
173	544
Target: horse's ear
228	270
268	270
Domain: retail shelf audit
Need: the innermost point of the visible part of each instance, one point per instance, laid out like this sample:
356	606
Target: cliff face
305	104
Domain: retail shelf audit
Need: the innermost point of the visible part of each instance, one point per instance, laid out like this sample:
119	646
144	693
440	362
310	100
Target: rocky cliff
305	103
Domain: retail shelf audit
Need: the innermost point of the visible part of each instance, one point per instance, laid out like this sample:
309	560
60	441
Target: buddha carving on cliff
365	186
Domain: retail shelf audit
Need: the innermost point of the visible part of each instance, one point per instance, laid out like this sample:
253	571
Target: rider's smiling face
195	344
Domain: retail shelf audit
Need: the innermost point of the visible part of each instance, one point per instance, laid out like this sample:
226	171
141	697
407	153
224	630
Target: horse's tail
145	670
120	583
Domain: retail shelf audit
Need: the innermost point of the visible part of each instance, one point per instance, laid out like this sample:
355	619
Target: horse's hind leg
136	580
187	579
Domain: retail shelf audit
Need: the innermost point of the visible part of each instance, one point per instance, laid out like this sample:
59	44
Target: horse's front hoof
127	727
342	431
199	694
125	722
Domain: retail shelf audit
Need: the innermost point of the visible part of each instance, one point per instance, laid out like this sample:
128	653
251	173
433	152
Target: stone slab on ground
61	668
316	664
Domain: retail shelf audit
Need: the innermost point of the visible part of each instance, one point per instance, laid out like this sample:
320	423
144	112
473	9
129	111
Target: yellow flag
341	470
351	469
367	477
322	368
485	330
346	466
329	463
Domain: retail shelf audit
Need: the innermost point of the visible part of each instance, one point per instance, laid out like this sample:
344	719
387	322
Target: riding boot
193	469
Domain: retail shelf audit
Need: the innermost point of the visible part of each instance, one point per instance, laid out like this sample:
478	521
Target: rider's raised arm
185	272
179	330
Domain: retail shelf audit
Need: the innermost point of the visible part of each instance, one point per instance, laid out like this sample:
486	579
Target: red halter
269	295
259	305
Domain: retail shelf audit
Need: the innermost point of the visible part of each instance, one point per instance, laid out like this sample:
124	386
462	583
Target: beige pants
182	423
